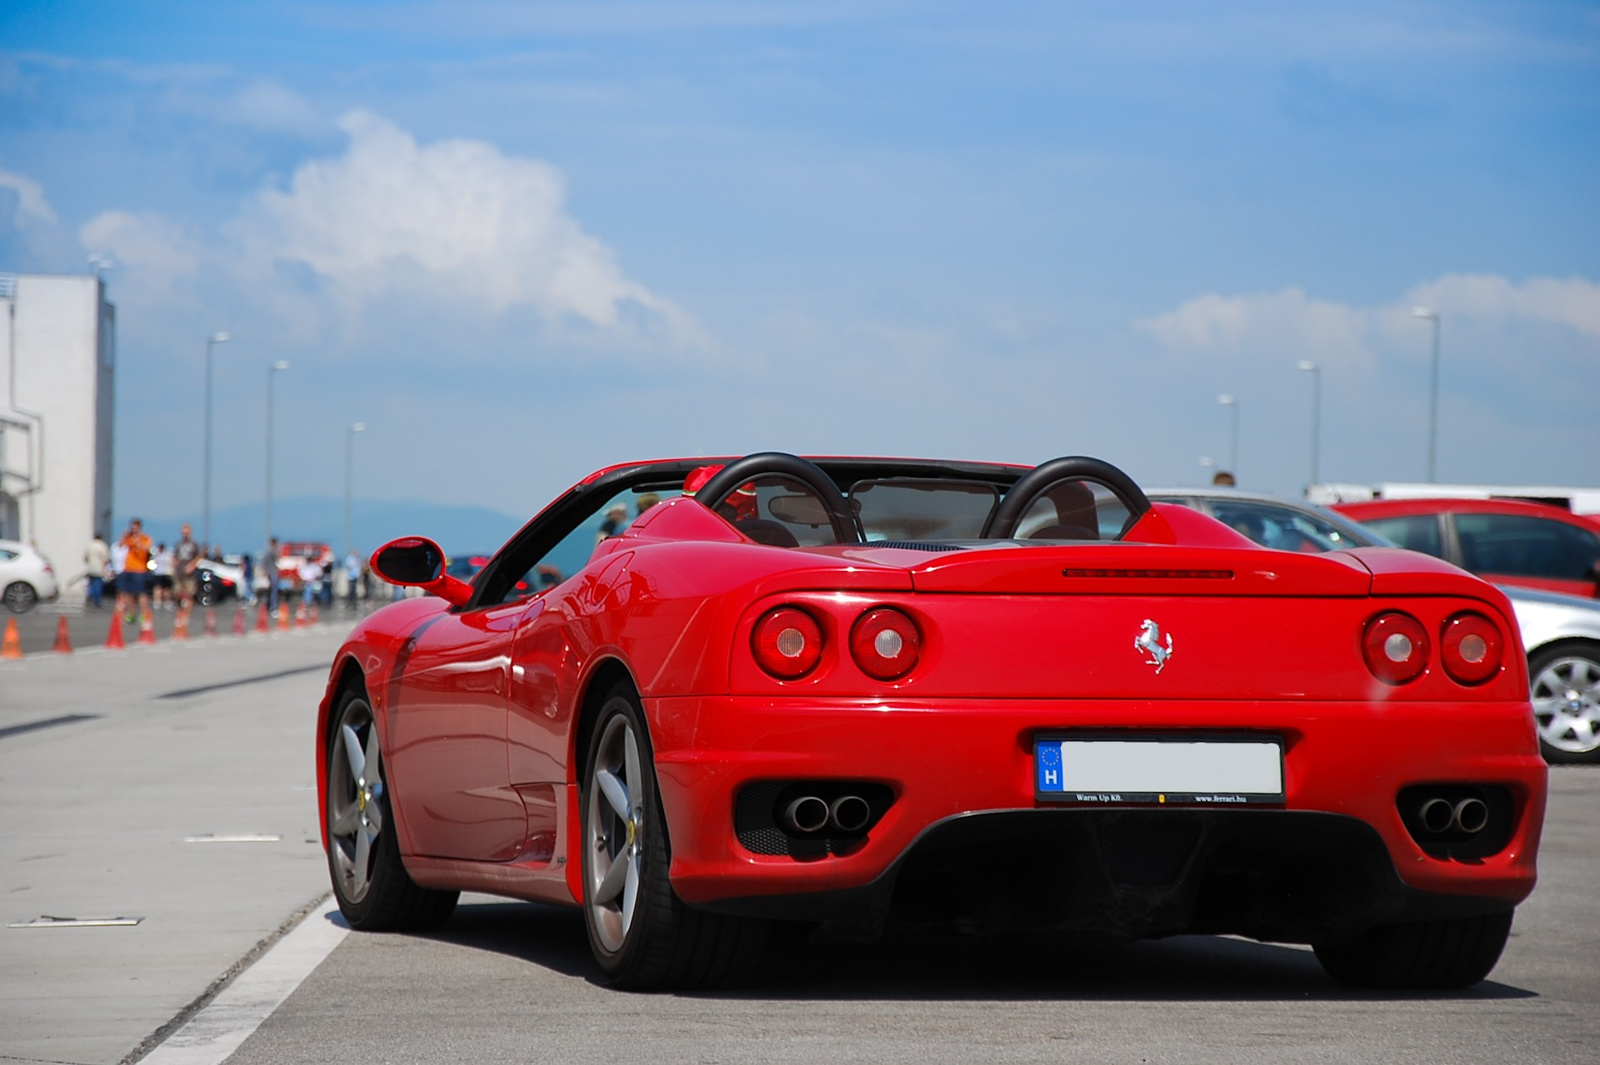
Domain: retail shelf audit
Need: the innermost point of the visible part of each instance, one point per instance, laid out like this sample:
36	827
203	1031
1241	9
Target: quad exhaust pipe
1468	816
809	814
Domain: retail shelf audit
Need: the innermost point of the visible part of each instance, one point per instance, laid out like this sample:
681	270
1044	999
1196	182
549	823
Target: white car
26	577
1561	633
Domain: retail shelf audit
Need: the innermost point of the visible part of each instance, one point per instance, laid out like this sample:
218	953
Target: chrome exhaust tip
806	815
1470	816
849	813
1437	815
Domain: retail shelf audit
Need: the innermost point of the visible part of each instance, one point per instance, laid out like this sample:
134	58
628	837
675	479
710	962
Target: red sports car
863	694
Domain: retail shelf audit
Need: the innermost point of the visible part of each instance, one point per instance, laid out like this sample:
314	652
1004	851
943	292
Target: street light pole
1227	400
1433	389
1316	410
205	496
272	375
349	450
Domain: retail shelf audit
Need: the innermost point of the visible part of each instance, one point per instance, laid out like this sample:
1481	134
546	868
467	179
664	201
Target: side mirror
417	562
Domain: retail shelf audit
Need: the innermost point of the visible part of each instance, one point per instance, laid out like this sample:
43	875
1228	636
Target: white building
57	376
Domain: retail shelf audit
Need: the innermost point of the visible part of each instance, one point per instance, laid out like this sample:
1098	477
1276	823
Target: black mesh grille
1147	853
916	545
755	816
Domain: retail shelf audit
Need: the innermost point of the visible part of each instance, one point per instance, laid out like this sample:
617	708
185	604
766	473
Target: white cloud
455	223
1571	302
32	207
163	249
1235	325
1288	323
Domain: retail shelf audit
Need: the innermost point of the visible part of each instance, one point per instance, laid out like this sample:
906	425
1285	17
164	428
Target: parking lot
173	786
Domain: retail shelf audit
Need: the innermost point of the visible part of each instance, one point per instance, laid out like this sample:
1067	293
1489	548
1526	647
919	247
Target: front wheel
19	597
641	935
374	890
1440	955
1564	683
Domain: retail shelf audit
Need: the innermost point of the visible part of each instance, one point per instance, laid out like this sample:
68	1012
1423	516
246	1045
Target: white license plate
1166	769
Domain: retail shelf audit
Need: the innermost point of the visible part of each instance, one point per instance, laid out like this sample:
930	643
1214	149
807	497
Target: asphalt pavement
165	795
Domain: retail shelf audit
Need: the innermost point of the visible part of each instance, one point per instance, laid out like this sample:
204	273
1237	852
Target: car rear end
1117	738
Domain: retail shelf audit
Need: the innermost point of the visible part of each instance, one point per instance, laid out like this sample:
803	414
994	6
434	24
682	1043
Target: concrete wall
57	401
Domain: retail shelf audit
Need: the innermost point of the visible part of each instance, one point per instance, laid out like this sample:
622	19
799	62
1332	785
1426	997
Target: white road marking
228	1020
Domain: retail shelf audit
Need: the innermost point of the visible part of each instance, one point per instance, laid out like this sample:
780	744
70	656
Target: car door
1531	551
448	765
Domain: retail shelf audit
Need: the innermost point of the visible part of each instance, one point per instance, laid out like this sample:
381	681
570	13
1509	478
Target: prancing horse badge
1149	642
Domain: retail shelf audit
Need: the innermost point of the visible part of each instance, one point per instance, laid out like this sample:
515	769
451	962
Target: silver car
26	577
1560	632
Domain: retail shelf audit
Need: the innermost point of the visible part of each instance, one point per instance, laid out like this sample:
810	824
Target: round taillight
885	643
787	642
1396	648
1471	647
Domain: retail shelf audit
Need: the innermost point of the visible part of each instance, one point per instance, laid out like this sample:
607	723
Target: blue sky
523	240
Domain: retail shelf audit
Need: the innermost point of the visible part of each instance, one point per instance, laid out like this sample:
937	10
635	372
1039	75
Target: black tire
654	943
19	597
1437	955
1564	686
374	891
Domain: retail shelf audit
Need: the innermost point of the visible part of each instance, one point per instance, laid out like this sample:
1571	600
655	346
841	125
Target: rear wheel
19	597
641	935
1565	690
374	890
1441	955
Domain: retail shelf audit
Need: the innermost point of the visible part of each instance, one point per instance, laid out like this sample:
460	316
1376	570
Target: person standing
161	577
267	574
185	566
133	583
96	563
310	579
352	578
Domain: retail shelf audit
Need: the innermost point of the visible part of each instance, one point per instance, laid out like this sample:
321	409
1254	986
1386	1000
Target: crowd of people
140	576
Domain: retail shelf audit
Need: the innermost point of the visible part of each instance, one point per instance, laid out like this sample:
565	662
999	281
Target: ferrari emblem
1148	642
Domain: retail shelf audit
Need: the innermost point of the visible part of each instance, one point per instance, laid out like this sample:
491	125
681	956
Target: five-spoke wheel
641	934
370	881
616	833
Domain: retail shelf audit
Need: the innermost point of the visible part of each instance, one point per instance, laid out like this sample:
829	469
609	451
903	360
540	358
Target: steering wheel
1036	482
722	484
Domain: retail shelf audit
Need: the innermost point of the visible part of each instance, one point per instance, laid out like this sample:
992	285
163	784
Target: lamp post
349	451
1316	410
1227	400
272	375
205	495
1433	389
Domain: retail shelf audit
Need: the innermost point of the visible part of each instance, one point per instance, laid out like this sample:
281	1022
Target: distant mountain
459	530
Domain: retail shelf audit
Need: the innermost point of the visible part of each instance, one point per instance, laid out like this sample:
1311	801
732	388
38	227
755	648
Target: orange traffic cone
114	637
238	622
313	613
12	648
211	622
63	637
283	617
147	628
261	619
180	627
300	617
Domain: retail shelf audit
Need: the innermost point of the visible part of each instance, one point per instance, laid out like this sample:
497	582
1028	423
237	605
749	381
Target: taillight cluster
884	642
1397	647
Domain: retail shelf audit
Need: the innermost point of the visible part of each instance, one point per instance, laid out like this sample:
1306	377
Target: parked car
1509	542
856	693
217	582
26	577
1560	633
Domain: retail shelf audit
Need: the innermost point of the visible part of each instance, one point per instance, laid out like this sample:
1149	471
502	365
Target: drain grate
77	922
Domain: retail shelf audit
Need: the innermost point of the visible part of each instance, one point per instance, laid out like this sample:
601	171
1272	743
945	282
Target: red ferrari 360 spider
857	694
